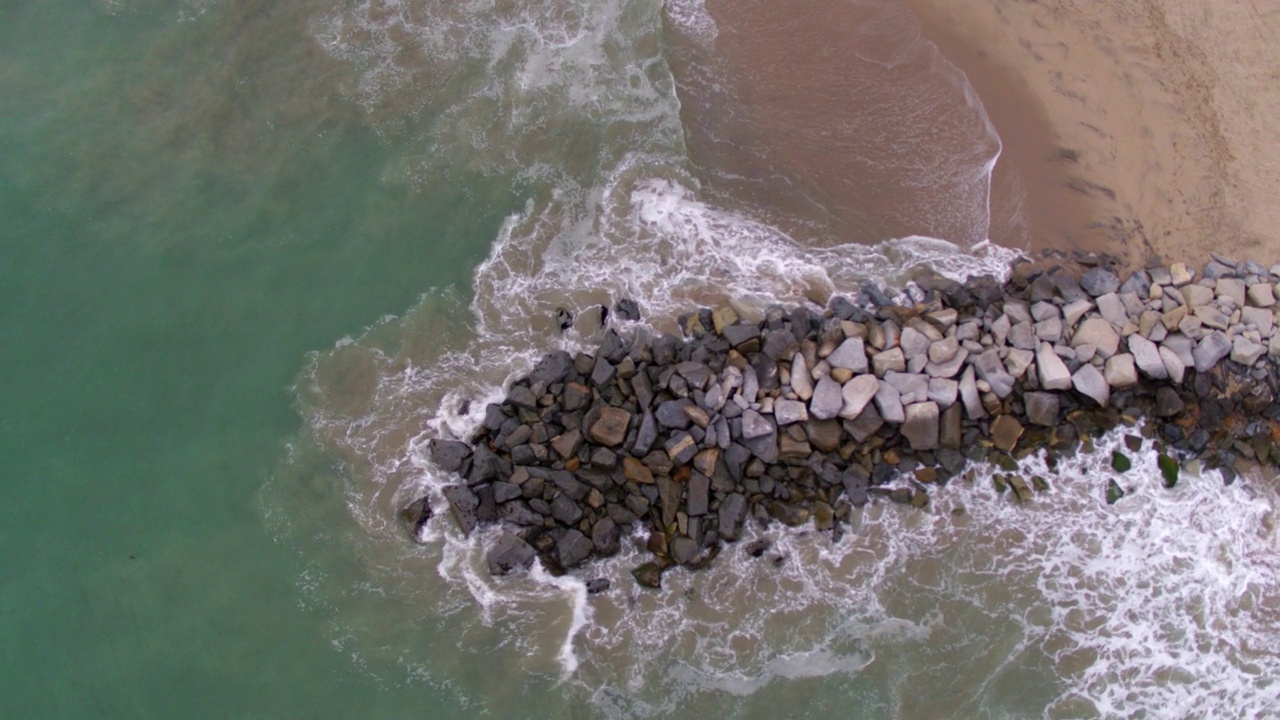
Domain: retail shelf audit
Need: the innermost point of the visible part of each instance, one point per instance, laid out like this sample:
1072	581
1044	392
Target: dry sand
1163	113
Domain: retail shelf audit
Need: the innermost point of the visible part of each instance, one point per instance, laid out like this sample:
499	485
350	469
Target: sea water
257	256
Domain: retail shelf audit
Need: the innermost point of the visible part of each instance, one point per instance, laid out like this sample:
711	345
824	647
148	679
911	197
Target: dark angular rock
572	549
646	435
1042	408
671	414
449	454
1114	492
519	513
681	448
576	396
699	495
552	368
765	448
568	484
510	554
732	512
595	586
1168	402
665	348
603	372
1099	281
463	504
484	465
757	548
788	514
565	511
739	335
504	491
564	319
637	504
613	348
670	493
605	536
626	309
856	481
522	397
610	429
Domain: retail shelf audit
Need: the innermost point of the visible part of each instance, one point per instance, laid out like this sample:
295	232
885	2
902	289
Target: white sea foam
692	18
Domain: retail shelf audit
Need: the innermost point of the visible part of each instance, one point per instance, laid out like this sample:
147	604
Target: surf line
803	414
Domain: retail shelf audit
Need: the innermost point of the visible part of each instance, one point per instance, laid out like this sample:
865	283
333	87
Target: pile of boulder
800	415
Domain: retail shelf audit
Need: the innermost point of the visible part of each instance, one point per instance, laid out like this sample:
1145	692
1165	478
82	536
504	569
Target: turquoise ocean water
253	255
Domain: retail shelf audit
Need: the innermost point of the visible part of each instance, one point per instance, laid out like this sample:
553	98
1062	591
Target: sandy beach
1161	114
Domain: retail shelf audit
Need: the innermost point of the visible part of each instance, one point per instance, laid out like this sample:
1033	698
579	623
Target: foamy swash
801	416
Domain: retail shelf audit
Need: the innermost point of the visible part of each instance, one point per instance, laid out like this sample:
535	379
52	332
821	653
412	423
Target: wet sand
1161	112
844	122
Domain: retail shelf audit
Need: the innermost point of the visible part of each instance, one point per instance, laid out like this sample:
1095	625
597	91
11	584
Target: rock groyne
804	414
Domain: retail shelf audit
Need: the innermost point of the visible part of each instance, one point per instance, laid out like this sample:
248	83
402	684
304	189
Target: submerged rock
1168	469
648	575
1120	462
1114	492
415	515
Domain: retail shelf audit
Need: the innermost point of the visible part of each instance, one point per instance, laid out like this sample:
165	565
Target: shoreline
804	417
1159	112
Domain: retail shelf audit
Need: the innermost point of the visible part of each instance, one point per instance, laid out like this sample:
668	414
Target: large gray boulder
850	355
790	411
1073	311
1231	288
889	403
1089	382
991	369
943	391
1017	361
1099	333
510	554
914	343
755	425
1245	351
801	380
1211	348
1120	371
1173	365
920	425
892	360
1260	318
943	350
573	548
1182	346
1113	310
1261	295
969	395
1054	374
1099	281
913	387
856	393
1146	355
947	368
827	401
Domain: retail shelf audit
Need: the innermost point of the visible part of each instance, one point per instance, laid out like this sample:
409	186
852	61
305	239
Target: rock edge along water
804	415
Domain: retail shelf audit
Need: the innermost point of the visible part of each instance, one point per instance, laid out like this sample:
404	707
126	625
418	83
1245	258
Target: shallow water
257	255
